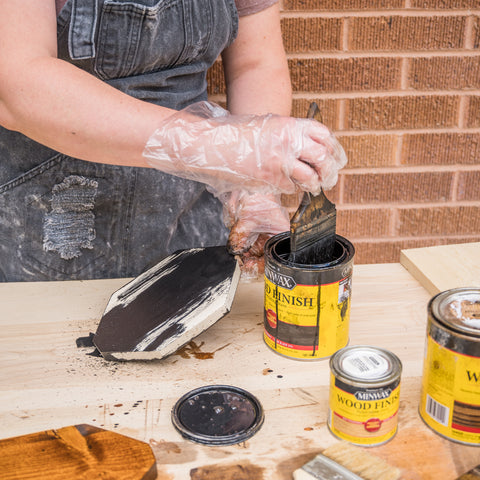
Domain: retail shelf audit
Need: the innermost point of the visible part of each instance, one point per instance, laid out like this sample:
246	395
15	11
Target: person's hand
253	219
254	153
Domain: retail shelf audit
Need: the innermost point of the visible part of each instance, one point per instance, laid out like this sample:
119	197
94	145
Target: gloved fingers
251	267
253	215
322	152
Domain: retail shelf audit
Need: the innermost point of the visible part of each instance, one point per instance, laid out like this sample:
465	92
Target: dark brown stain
244	471
191	349
308	429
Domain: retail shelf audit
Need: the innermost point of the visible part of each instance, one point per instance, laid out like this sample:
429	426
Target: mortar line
408	206
352	54
463	105
404	73
454	192
341	112
345	28
380	13
398	150
394	222
469	33
469	236
428	168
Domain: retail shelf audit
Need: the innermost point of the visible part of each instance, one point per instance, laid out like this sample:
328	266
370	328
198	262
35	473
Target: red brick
398	187
369	150
216	79
476	32
371	222
473	116
302	35
439	221
469	186
341	5
345	75
386	113
328	110
440	148
398	33
444	73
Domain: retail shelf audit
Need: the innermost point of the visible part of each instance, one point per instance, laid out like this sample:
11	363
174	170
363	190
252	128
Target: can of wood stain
450	399
306	307
364	395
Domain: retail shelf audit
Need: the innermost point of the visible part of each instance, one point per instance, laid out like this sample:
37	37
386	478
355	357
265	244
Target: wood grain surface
46	382
77	451
444	267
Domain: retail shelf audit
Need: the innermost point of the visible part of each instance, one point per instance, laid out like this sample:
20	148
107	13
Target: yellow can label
450	401
364	416
306	321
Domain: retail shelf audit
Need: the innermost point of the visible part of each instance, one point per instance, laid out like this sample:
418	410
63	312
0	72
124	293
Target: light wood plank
444	267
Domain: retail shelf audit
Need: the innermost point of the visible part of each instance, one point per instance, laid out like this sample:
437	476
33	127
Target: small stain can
450	398
364	395
306	307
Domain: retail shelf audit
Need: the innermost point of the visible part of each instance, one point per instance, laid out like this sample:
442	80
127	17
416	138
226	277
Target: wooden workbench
47	382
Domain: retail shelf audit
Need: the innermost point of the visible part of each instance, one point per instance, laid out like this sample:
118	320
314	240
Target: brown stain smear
191	349
173	453
245	471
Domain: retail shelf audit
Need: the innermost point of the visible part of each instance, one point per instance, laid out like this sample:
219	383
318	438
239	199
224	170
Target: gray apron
62	218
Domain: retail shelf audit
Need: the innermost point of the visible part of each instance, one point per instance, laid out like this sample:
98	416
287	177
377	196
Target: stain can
450	398
306	307
364	395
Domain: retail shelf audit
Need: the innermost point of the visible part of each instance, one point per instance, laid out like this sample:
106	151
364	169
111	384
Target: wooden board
80	452
444	267
168	305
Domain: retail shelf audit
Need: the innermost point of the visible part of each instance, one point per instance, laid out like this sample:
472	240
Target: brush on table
344	461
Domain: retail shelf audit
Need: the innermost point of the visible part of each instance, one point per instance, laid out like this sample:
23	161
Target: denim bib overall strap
81	35
62	218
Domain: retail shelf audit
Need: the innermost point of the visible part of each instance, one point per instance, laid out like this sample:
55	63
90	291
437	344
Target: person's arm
258	81
256	69
59	105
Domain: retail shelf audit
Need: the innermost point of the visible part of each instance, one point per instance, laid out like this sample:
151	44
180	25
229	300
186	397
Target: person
111	156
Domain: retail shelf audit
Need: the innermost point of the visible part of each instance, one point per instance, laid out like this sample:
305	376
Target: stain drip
70	225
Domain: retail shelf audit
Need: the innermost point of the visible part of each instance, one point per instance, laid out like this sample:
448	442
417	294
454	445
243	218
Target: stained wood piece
80	452
444	267
167	306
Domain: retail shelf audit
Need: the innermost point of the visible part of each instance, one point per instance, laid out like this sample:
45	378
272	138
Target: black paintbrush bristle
313	231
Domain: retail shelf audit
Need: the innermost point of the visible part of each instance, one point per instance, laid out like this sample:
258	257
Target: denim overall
64	219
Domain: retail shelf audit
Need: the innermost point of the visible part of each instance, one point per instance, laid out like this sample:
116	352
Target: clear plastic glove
253	219
254	153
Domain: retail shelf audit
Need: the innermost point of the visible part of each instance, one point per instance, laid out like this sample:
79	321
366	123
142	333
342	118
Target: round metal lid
459	309
365	364
217	415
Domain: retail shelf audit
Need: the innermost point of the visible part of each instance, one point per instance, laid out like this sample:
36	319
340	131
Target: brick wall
398	81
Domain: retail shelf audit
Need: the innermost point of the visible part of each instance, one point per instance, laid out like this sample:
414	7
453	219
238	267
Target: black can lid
217	415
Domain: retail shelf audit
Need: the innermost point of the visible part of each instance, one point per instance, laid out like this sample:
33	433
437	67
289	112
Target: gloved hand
254	153
253	219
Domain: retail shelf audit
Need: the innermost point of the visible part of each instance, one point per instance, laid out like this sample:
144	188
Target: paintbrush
473	474
313	226
344	461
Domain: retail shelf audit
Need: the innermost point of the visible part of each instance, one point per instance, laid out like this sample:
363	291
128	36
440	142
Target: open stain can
306	307
450	399
364	395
